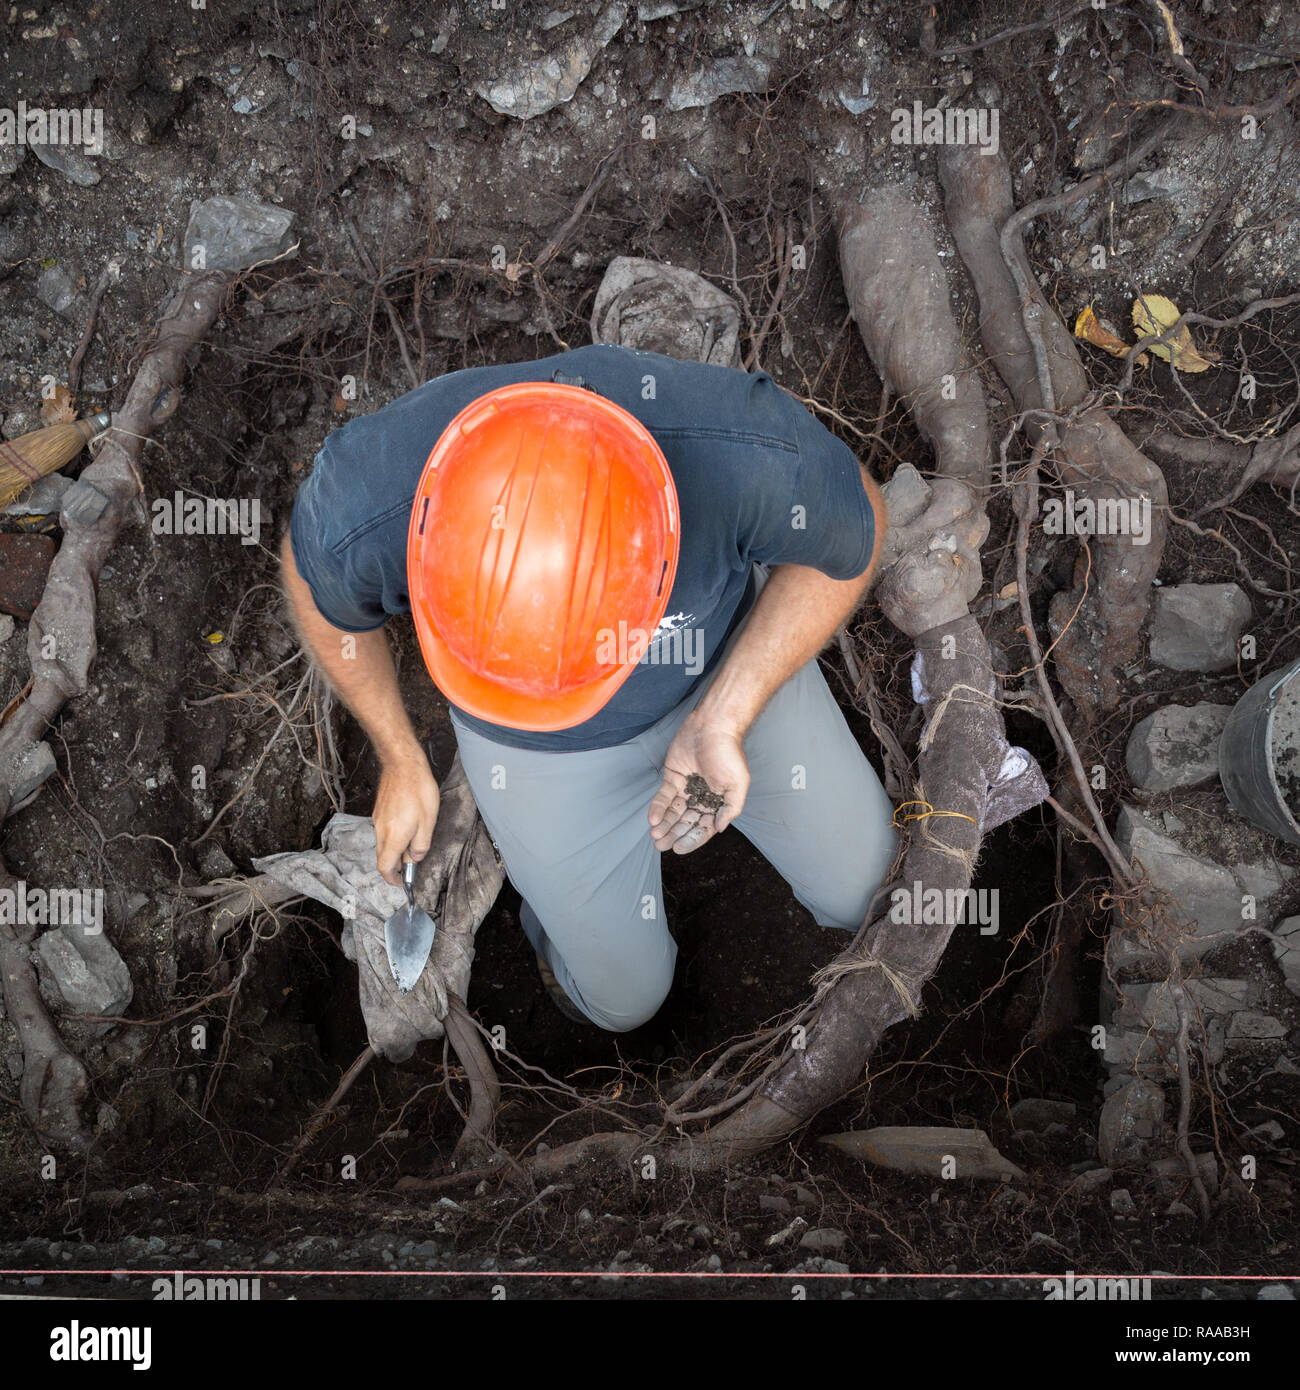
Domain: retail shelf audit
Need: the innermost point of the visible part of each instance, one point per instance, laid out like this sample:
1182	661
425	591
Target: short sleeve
345	596
827	521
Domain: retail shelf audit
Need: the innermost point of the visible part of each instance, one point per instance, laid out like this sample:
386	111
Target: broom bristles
25	460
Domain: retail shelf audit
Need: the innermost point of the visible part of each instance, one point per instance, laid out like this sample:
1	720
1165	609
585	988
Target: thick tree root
61	648
1102	617
54	1083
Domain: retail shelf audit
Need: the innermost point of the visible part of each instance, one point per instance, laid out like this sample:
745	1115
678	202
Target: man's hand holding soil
796	614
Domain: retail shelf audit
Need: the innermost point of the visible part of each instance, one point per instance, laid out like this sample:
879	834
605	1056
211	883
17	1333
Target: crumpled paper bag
456	883
663	308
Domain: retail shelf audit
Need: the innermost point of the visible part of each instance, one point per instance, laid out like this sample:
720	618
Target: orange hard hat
541	553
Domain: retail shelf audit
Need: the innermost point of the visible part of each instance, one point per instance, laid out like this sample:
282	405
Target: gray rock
1155	1006
11	156
214	862
1034	1114
706	84
1092	1180
1209	894
43	498
823	1239
1132	1123
1177	746
538	87
55	288
6	628
1195	627
650	10
1255	1027
83	504
1144	1025
1171	1174
73	166
1287	951
235	233
1121	1202
1276	1293
768	1202
26	772
85	969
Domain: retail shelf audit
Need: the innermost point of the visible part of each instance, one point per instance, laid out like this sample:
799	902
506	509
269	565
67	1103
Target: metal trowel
408	936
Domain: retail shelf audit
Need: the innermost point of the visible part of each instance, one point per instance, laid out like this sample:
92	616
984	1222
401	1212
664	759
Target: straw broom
32	456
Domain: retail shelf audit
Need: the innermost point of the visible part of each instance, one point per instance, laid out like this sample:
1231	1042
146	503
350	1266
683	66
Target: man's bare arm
359	666
791	620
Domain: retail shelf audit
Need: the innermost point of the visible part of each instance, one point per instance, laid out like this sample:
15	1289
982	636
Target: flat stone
25	772
1208	894
927	1149
1034	1114
1121	1202
83	504
43	498
705	85
86	970
1154	1005
1287	951
1177	746
1132	1123
55	288
1195	627
534	88
1092	1180
1171	1174
823	1239
74	167
1255	1027
235	233
24	563
1276	1293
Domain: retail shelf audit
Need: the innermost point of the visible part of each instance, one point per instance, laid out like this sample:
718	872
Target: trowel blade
408	939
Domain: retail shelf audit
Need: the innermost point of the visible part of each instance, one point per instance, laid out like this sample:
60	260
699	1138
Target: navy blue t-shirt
758	478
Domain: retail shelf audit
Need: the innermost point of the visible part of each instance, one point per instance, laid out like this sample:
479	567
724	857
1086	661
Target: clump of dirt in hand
701	797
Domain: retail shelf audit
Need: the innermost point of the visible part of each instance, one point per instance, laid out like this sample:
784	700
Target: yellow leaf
1100	334
57	408
1153	313
215	637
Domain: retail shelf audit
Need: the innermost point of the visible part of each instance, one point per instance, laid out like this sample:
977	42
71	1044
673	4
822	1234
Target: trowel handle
408	882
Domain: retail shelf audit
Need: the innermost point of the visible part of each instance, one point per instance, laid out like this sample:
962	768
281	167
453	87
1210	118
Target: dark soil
700	796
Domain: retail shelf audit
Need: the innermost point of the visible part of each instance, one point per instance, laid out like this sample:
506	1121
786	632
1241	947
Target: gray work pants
572	832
